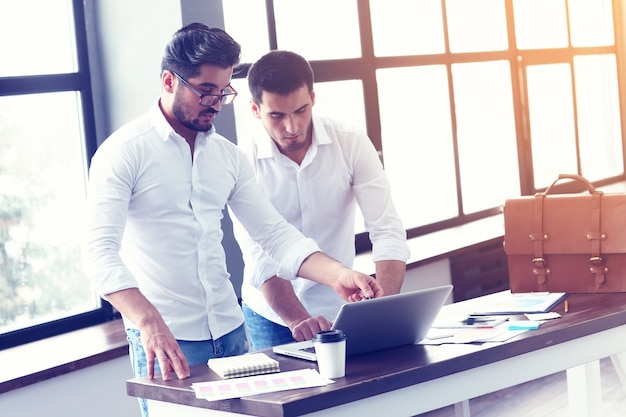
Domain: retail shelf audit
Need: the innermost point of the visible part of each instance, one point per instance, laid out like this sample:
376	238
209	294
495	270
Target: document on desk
500	333
471	322
483	312
259	384
506	302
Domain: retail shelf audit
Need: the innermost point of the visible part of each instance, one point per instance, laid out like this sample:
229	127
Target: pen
486	321
472	320
566	306
481	325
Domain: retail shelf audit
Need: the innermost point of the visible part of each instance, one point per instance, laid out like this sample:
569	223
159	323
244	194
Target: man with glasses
157	190
315	171
209	99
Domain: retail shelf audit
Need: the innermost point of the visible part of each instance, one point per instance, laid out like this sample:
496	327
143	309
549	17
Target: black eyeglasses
210	99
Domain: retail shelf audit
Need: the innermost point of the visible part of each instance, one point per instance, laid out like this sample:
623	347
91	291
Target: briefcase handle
595	236
574	177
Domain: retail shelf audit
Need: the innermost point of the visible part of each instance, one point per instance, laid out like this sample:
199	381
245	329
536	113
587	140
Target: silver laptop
380	323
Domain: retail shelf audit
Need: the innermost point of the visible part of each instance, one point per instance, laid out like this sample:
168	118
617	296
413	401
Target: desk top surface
379	372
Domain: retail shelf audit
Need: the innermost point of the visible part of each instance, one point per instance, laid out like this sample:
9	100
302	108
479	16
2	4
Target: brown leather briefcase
573	243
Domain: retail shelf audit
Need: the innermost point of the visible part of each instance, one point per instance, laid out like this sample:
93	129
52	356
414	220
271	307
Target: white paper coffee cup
330	349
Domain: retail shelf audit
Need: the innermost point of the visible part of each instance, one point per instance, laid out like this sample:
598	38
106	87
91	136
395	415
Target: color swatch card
259	384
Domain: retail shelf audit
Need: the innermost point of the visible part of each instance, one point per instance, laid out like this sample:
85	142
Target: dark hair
197	44
280	72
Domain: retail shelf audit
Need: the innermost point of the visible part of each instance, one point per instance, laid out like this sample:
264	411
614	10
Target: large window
469	102
46	138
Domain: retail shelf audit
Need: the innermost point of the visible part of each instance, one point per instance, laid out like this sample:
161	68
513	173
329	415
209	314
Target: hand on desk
156	338
161	345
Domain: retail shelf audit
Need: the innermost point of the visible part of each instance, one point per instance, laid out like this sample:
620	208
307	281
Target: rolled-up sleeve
281	248
373	192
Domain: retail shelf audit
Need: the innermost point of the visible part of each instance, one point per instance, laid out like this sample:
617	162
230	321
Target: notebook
243	365
380	323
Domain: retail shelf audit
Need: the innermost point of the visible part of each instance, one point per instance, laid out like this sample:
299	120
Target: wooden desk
415	379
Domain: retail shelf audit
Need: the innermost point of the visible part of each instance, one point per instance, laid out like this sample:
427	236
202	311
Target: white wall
96	391
127	40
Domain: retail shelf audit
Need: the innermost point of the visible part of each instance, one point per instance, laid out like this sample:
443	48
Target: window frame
79	81
364	69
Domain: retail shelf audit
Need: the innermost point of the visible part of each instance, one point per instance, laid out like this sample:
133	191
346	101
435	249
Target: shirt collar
268	149
165	130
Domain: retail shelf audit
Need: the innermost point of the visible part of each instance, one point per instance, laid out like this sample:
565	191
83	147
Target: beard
197	123
288	146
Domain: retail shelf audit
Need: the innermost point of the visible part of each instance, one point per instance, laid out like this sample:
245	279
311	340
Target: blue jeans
196	352
264	333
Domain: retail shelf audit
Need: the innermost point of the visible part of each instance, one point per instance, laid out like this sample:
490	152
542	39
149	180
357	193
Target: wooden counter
415	379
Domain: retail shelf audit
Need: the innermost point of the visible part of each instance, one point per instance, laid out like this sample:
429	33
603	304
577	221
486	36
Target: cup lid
329	336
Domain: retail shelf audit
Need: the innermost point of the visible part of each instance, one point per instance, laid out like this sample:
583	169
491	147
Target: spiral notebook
243	365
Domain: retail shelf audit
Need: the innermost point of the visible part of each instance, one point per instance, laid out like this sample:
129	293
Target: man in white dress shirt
157	190
315	171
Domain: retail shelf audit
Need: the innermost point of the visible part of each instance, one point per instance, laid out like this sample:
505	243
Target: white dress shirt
155	223
319	197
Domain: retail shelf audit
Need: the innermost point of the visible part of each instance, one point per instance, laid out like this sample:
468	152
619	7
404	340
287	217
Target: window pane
417	142
49	52
485	134
599	127
249	29
418	23
342	100
540	24
42	194
321	29
591	22
476	25
552	131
